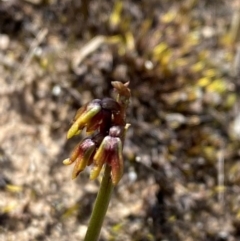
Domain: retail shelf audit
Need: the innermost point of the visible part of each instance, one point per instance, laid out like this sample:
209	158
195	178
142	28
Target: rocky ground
182	158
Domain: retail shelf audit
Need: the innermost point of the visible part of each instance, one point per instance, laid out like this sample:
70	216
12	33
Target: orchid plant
105	122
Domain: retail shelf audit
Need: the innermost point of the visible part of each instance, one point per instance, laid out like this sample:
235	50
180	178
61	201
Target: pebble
4	41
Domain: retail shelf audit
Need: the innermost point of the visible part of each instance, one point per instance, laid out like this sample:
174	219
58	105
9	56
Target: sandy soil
182	170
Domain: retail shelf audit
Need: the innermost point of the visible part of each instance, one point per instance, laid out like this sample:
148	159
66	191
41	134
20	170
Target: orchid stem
100	206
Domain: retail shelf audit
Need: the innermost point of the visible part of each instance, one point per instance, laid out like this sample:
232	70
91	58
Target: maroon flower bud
83	116
109	152
82	155
115	131
123	91
121	88
110	104
85	159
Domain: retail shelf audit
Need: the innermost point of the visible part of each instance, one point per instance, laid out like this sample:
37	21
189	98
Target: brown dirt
182	171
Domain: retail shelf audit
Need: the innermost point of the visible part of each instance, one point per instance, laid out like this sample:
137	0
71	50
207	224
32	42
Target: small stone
4	41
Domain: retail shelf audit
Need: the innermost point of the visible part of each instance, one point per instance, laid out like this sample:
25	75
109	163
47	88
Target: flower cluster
105	121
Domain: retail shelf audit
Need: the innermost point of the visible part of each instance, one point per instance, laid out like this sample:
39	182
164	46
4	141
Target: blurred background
182	158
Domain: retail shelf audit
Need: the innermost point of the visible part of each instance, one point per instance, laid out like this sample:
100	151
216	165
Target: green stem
100	206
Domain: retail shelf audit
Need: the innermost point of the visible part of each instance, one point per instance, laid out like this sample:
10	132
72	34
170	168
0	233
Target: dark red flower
106	119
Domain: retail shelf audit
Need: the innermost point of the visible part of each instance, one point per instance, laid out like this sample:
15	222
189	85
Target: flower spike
95	171
106	120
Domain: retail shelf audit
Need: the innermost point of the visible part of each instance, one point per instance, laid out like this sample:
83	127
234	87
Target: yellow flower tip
67	161
95	172
76	171
80	165
74	130
115	181
127	126
98	157
92	110
77	133
75	174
